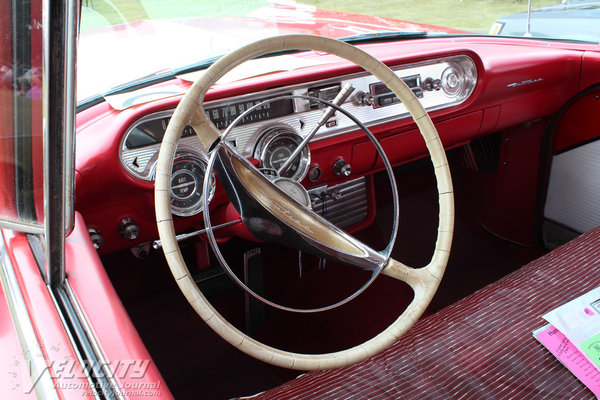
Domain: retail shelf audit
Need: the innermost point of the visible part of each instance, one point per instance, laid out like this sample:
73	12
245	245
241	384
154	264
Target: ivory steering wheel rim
423	281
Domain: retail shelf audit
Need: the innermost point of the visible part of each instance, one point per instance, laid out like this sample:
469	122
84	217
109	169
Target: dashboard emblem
525	82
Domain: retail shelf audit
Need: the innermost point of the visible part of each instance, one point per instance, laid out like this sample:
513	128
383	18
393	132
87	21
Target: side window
21	166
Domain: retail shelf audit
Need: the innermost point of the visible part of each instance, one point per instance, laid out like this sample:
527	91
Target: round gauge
293	189
186	184
276	145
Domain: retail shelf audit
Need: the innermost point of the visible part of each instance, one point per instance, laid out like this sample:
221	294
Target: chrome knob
363	99
431	84
342	168
129	229
336	194
96	237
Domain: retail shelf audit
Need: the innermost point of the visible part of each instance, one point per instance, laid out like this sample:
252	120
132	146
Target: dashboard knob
430	84
363	99
336	194
342	168
96	237
129	229
315	173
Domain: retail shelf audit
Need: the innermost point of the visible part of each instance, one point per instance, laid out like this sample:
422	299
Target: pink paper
570	356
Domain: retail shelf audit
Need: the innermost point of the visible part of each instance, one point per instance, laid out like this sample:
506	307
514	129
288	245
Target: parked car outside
574	20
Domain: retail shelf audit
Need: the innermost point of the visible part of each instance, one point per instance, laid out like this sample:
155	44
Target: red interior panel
577	125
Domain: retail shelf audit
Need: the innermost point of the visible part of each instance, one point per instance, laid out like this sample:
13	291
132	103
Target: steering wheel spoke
270	214
417	278
398	270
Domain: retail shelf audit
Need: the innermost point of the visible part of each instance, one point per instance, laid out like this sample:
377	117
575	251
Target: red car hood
111	56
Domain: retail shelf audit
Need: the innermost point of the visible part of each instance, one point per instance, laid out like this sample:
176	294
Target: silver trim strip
72	28
93	340
39	369
244	135
350	209
73	344
58	69
23	227
157	244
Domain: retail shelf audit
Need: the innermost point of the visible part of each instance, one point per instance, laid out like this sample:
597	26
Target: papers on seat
579	321
573	337
570	356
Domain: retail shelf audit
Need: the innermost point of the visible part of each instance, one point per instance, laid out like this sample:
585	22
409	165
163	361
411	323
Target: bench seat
478	348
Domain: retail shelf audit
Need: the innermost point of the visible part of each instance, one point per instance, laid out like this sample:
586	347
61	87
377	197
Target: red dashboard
516	82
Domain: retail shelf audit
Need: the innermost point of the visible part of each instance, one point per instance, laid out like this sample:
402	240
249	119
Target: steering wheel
306	227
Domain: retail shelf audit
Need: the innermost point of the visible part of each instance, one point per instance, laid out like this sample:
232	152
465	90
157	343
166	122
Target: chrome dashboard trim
351	208
304	117
39	370
200	158
267	135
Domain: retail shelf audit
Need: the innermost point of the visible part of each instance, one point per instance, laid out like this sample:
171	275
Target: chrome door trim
79	316
30	346
58	68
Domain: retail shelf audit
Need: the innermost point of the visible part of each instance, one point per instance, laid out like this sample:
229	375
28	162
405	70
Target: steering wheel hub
294	190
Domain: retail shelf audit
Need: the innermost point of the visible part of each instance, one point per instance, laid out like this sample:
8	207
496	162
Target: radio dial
430	84
363	99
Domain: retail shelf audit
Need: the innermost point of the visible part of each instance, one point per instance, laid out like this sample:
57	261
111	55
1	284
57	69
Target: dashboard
268	126
469	86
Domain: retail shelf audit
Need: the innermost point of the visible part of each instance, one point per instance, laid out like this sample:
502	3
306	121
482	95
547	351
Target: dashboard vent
343	205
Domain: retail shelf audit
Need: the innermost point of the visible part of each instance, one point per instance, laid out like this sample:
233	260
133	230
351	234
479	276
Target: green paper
591	348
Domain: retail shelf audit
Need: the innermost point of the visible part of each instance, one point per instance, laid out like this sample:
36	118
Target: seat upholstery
478	348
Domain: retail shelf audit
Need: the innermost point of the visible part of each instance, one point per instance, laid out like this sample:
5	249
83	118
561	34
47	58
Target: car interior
518	121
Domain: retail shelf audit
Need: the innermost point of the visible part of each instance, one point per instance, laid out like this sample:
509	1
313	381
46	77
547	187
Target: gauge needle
182	185
329	111
277	161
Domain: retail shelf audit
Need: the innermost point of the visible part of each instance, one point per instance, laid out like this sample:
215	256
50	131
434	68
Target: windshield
125	41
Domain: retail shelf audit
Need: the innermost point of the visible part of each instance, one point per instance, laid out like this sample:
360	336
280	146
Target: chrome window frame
60	24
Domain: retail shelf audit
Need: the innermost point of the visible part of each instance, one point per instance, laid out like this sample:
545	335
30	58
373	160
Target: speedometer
275	145
186	184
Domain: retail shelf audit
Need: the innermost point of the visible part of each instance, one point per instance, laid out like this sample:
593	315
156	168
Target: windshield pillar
59	37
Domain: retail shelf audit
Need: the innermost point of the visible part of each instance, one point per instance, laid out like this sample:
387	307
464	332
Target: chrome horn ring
371	260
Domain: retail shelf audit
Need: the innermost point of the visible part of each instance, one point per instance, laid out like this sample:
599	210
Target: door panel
571	204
